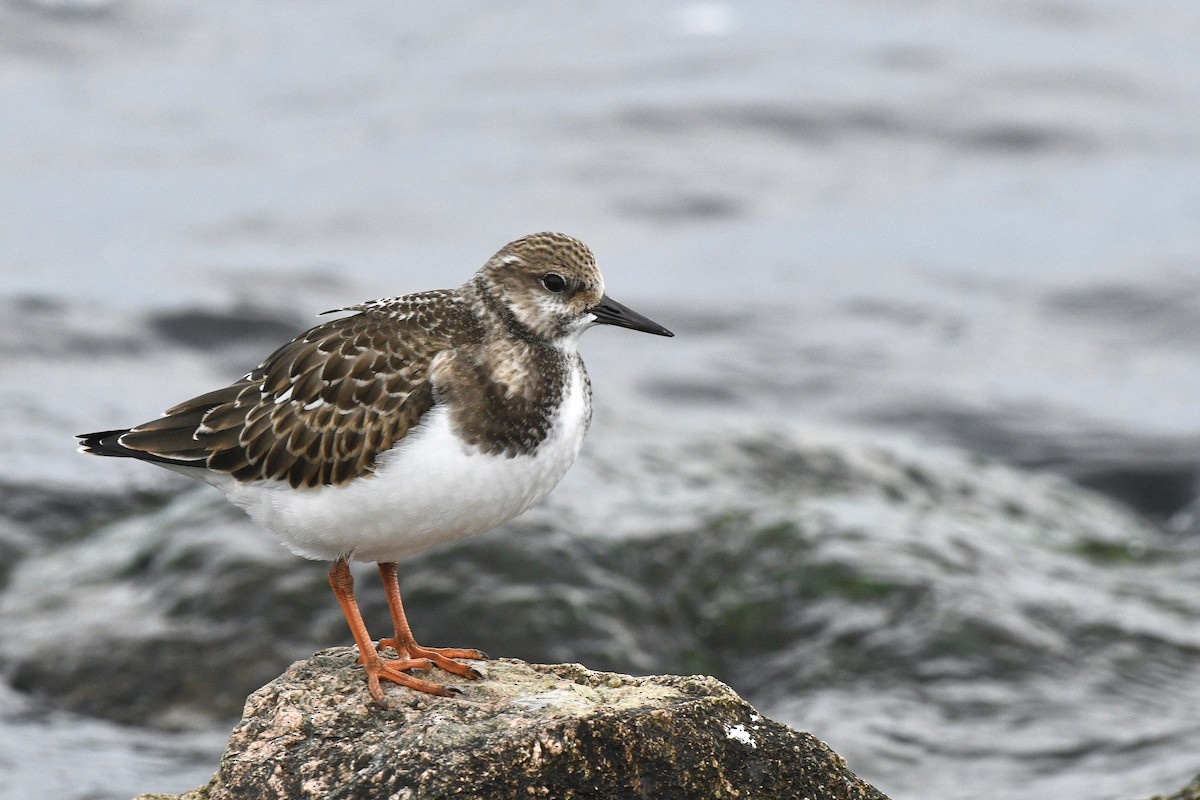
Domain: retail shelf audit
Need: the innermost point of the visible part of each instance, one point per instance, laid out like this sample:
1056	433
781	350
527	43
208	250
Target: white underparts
430	488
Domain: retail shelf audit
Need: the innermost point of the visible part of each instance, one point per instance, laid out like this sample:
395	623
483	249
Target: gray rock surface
558	731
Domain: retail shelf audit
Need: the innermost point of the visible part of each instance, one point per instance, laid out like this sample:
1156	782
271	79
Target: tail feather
108	443
104	443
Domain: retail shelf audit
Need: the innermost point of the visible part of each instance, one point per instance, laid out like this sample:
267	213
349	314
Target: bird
414	421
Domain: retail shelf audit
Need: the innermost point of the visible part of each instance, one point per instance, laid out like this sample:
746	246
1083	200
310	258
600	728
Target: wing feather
322	408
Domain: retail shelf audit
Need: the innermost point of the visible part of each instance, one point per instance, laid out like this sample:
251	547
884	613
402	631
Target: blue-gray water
910	234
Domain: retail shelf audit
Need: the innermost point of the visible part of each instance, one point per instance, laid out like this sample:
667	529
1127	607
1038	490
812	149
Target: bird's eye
554	282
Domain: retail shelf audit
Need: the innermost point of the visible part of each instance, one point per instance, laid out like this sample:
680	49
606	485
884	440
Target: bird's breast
503	397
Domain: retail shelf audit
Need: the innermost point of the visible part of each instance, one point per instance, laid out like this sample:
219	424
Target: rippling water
918	473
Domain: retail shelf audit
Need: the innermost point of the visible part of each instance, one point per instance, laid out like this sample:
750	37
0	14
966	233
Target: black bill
610	312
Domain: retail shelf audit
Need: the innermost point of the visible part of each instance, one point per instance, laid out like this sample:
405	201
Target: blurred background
918	473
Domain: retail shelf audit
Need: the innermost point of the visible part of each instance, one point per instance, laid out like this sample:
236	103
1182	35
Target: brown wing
321	408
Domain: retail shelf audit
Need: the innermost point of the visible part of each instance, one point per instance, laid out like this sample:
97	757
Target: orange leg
404	644
342	583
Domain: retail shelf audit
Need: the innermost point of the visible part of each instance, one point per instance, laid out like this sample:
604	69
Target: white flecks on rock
739	734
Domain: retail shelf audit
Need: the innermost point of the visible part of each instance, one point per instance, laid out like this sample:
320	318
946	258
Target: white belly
428	489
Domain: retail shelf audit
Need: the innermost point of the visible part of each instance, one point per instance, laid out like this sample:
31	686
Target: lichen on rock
554	731
1189	792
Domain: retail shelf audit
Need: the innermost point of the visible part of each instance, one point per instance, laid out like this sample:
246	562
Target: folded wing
317	412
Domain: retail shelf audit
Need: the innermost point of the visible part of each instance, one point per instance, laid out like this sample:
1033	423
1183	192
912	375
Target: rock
557	731
1189	792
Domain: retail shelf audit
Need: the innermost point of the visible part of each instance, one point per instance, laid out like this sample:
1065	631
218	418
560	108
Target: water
887	235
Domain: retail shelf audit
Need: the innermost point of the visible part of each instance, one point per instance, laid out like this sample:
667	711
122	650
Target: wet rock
559	731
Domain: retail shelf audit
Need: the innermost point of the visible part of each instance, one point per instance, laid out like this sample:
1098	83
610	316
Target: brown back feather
357	386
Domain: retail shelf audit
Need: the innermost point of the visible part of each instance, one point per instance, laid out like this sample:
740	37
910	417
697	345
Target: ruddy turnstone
417	420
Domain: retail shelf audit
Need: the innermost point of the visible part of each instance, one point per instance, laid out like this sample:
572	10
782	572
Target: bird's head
551	285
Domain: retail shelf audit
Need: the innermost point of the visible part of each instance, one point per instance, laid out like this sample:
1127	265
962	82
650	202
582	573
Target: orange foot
396	671
411	653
